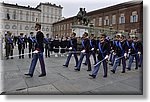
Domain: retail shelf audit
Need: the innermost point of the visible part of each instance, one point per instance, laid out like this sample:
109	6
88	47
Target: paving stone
76	86
116	88
61	80
13	84
18	92
44	89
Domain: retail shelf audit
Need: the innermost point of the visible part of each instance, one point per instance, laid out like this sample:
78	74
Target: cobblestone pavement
60	80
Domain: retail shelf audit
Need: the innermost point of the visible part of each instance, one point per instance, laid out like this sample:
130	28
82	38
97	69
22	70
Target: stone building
124	17
21	19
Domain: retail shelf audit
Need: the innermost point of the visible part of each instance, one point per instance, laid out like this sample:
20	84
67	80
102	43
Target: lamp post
110	27
91	28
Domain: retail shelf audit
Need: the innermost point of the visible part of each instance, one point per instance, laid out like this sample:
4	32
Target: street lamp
91	28
110	27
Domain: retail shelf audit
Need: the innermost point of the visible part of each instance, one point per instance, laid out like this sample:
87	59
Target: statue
81	17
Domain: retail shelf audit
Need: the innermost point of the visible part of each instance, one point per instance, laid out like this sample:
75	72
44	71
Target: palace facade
21	19
124	17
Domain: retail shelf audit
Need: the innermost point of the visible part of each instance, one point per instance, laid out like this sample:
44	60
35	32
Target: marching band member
121	53
21	45
85	52
134	53
31	41
9	45
47	46
72	50
103	54
38	53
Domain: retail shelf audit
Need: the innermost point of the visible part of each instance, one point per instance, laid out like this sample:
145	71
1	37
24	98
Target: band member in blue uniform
121	53
47	45
103	54
129	43
21	45
72	50
93	48
38	53
85	52
9	45
25	41
113	54
31	41
133	54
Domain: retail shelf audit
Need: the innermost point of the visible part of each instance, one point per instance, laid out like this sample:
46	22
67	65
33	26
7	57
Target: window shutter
131	19
136	18
119	20
104	22
108	22
124	19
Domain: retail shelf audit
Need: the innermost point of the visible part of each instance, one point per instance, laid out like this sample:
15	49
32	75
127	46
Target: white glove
36	51
83	51
125	55
139	53
92	49
106	57
129	51
70	48
114	53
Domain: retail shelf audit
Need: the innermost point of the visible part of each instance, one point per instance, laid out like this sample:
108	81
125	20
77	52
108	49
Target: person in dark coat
47	45
56	45
72	50
63	45
85	52
103	54
9	45
121	50
31	41
21	45
134	53
92	48
38	53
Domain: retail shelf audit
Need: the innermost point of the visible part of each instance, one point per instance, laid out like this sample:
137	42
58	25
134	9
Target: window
70	25
33	18
64	26
7	14
121	19
14	14
60	12
20	27
106	21
100	21
51	10
27	16
94	21
114	19
43	18
134	17
47	9
20	15
67	26
47	18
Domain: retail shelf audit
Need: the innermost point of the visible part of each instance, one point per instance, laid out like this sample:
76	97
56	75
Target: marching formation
109	52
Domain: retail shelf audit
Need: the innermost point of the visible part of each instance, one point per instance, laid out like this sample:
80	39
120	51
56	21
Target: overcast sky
70	7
